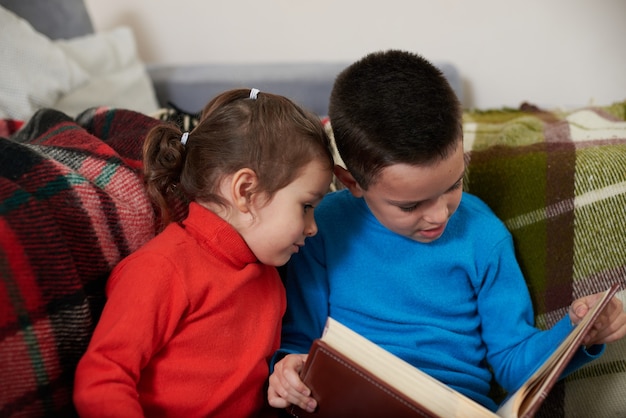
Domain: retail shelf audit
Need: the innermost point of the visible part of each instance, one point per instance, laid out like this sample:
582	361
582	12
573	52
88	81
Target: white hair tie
254	93
183	139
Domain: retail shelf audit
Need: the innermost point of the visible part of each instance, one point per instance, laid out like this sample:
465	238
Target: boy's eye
409	208
415	206
308	207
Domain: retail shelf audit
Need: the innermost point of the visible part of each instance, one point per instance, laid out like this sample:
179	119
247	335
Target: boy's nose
437	213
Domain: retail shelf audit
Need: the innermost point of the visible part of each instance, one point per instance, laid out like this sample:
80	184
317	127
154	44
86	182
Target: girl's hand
285	386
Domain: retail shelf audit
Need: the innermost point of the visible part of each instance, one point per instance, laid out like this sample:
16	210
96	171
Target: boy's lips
433	232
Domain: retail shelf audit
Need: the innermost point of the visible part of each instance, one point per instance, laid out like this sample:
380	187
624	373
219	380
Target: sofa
87	68
72	202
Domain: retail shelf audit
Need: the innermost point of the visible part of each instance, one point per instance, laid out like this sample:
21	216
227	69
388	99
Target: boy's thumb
578	311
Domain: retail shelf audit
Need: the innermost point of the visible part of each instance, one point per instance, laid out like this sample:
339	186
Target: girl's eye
308	207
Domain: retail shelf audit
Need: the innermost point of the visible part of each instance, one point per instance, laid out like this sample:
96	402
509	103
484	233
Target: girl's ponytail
164	158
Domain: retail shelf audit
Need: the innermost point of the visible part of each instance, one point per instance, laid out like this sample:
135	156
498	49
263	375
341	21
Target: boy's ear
346	178
242	182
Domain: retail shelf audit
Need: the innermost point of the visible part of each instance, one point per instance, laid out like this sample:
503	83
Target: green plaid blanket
558	181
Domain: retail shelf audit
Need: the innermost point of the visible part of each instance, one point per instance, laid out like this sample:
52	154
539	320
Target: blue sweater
451	307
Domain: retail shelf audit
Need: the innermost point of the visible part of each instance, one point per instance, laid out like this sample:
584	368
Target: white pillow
100	69
117	77
34	72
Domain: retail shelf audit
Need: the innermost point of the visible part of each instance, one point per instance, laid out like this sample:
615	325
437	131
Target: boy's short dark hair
393	107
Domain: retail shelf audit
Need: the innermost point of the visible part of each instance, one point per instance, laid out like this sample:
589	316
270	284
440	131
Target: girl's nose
311	228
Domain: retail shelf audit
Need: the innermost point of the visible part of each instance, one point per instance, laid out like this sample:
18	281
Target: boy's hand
285	386
610	326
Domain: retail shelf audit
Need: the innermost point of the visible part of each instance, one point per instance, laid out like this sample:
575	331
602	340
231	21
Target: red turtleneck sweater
190	323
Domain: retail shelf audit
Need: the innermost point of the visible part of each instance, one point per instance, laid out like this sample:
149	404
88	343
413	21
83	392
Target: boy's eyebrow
399	203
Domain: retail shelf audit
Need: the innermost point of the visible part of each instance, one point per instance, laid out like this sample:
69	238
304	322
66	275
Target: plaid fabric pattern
558	181
72	204
9	126
184	120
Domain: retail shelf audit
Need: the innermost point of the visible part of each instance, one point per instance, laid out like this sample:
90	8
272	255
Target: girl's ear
242	183
346	178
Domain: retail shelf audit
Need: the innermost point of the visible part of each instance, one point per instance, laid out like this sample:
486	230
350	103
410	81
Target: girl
193	317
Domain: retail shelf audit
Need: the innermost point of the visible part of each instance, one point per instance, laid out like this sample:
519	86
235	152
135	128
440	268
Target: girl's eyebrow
316	195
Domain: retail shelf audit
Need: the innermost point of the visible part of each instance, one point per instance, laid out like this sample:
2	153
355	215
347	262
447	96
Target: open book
350	376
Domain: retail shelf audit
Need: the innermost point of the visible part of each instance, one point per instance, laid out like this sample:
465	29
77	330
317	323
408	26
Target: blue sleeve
515	347
584	355
307	299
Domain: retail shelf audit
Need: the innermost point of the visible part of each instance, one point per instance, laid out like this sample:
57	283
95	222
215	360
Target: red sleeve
146	299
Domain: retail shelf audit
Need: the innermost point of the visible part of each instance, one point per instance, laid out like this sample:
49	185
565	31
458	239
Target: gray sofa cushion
57	19
309	84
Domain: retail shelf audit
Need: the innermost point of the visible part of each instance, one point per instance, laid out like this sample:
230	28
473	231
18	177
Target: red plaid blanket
72	204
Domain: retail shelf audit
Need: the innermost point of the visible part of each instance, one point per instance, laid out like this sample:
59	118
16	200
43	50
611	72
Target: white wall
557	53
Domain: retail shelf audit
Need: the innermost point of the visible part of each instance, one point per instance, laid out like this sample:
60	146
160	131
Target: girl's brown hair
268	134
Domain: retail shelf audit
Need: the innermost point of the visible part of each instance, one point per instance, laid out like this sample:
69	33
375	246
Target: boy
407	259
